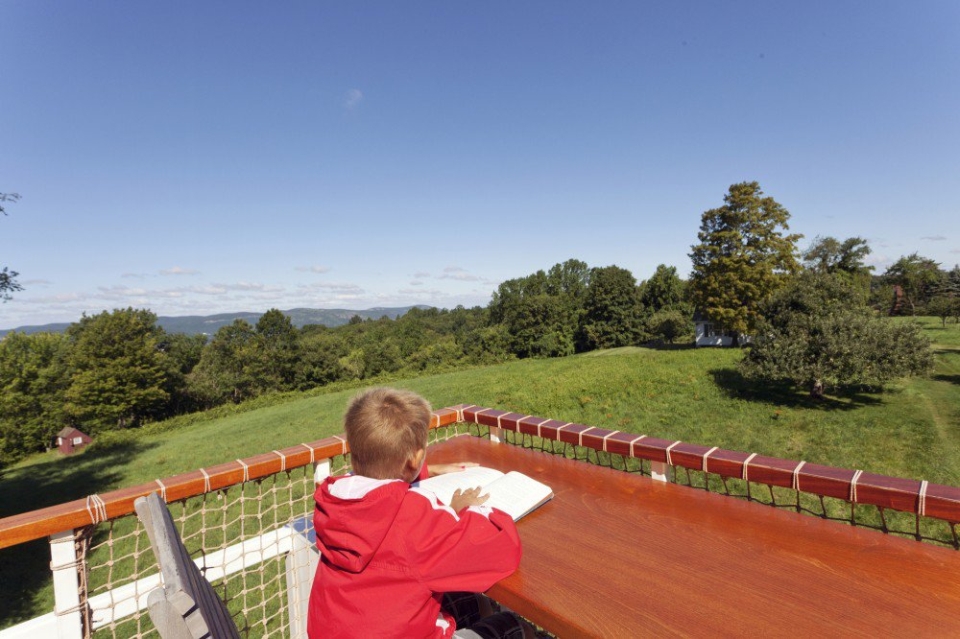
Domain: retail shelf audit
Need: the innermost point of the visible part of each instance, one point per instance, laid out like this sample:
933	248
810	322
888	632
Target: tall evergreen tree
742	257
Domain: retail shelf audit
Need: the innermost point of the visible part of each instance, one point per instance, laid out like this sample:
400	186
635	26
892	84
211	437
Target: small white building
710	334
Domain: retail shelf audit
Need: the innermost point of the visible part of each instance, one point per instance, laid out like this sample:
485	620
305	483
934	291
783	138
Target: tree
742	257
224	372
183	353
669	324
118	373
943	306
828	255
541	312
918	277
276	352
612	310
816	336
8	278
664	290
32	381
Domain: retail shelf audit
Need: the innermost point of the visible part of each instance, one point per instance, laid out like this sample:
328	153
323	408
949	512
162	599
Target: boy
388	551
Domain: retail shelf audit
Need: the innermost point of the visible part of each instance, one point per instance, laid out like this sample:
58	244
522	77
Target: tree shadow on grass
779	393
950	379
26	567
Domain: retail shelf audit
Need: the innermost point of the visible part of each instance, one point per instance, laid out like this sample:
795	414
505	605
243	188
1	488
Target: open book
514	493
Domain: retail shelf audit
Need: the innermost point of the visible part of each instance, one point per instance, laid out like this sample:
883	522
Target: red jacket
388	551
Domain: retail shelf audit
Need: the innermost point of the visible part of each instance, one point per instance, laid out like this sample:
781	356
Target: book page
517	494
443	486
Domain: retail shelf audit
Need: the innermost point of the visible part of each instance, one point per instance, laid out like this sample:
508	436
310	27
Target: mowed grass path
912	430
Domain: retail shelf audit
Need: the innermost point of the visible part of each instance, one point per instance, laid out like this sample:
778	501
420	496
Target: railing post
66	585
496	434
321	471
658	471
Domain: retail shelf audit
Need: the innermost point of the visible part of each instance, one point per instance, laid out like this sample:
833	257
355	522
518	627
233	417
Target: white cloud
313	269
934	238
421	275
343	287
178	270
353	98
459	274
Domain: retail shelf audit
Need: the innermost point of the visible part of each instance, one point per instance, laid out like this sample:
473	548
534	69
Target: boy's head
386	430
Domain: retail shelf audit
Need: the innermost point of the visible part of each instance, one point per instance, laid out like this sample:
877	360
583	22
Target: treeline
119	369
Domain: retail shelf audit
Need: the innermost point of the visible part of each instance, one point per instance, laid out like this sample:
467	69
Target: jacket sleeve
469	552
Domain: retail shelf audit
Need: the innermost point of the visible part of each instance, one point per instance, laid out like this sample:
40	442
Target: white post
321	471
658	471
66	585
301	566
496	434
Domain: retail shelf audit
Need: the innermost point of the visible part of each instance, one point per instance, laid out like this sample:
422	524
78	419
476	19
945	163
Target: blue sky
203	157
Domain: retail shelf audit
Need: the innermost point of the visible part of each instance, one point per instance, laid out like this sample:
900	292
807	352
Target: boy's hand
466	498
442	469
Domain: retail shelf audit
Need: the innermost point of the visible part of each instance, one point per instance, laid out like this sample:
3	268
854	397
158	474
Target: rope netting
253	539
241	537
890	521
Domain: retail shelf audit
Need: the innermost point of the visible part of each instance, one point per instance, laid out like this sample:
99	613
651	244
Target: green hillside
912	430
695	395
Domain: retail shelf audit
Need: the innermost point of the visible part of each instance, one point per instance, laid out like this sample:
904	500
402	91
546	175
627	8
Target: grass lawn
695	395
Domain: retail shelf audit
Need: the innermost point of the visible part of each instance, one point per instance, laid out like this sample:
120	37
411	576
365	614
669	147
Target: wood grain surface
621	555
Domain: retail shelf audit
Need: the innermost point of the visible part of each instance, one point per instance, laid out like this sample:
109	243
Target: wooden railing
71	526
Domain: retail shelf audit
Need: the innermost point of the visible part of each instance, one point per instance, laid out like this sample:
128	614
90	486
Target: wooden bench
186	607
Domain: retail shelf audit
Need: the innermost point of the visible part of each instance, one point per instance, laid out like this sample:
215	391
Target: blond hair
385	427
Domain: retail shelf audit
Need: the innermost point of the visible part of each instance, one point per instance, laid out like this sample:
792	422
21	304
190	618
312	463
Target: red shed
70	439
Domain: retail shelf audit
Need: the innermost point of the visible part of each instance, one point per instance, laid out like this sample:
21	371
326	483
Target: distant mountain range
210	324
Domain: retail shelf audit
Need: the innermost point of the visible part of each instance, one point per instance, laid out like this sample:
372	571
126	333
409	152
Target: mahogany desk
621	555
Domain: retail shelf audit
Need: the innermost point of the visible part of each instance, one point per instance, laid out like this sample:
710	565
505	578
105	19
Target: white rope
283	460
246	470
163	490
607	437
853	486
922	504
796	476
634	442
561	428
476	415
96	508
706	456
521	419
585	431
669	448
312	453
343	444
206	480
746	463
